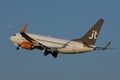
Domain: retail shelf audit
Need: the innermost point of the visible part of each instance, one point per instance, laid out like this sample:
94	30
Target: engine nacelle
27	45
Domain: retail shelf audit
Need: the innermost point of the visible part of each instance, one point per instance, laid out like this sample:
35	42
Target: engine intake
27	45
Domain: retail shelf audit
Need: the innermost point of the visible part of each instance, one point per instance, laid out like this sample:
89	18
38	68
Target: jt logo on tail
93	35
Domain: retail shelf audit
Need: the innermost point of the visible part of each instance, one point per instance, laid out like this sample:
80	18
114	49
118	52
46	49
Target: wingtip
24	28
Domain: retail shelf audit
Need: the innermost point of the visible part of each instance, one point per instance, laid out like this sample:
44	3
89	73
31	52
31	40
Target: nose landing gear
17	47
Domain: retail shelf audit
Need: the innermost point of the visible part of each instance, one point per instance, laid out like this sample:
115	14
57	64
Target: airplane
53	46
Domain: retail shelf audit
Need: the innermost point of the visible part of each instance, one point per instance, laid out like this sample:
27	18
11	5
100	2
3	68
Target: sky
67	19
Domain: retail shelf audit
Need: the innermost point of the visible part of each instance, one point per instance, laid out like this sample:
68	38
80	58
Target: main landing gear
54	54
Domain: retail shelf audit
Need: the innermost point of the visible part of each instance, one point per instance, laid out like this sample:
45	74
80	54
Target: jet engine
27	45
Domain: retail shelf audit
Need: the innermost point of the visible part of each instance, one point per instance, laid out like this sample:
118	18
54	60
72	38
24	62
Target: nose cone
15	39
12	39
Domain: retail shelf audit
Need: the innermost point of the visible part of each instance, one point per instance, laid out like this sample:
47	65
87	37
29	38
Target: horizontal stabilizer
104	48
107	46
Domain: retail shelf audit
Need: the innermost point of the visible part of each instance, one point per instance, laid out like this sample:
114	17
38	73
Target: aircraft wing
31	40
34	42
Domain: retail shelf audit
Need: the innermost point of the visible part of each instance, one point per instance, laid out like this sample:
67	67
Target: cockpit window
14	34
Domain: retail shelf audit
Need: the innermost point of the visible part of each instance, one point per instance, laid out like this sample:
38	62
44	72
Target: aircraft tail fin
91	36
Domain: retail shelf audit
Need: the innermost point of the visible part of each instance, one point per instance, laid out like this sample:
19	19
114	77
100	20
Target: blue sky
66	19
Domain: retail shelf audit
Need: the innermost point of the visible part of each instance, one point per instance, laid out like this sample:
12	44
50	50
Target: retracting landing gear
45	52
18	47
55	54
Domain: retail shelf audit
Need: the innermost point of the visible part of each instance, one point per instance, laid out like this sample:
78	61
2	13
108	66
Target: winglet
24	28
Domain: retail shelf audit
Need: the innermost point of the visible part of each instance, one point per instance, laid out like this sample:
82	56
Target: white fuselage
62	46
